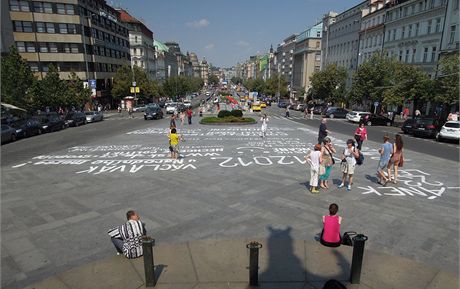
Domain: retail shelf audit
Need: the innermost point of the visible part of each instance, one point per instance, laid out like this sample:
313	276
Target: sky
228	32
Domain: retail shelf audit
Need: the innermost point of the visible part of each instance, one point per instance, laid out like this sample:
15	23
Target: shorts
382	165
174	148
347	168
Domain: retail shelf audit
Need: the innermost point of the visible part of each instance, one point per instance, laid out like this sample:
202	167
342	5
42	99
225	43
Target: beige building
86	37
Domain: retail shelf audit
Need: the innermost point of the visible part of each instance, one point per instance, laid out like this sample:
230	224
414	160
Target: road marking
18	166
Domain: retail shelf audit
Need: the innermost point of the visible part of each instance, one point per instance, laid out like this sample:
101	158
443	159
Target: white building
413	32
450	41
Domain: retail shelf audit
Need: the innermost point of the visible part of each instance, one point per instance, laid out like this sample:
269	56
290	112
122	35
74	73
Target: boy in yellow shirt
174	138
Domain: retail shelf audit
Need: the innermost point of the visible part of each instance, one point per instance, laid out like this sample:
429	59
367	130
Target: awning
11	107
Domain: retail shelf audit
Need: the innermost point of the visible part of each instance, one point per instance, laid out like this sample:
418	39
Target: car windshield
425	121
90	113
452	124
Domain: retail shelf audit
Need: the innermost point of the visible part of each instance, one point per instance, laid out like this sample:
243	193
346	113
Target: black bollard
357	261
254	263
149	265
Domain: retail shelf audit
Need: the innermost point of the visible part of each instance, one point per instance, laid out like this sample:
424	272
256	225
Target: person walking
349	155
323	132
360	134
264	120
327	152
189	115
287	110
396	159
174	138
172	121
314	158
330	235
385	152
127	237
305	112
182	117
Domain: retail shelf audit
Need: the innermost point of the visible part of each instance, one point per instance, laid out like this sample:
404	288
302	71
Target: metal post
149	265
254	263
357	261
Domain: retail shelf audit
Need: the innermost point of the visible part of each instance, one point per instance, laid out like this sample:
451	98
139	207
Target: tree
448	80
76	95
329	84
122	82
53	89
274	84
236	80
16	79
372	78
213	80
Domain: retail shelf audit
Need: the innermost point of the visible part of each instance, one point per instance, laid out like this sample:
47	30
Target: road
449	151
61	192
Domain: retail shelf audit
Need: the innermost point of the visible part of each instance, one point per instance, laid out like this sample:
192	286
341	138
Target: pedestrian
172	121
127	238
385	152
406	113
264	120
174	138
130	112
305	111
311	113
119	109
201	111
189	115
417	113
182	117
323	132
330	235
360	134
349	155
314	158
397	159
327	152
287	110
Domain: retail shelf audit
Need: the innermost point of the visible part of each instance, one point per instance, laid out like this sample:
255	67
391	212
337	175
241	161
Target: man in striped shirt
127	238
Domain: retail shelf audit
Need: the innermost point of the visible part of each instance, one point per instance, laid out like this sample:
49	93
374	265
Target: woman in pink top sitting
330	236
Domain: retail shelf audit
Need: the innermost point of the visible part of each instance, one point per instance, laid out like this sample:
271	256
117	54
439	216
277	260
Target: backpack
360	159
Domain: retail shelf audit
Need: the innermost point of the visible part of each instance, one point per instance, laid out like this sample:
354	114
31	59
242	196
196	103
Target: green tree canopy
16	79
274	84
213	80
236	80
329	84
448	80
76	95
53	89
123	80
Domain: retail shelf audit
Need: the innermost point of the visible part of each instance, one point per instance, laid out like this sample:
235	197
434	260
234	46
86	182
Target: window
428	30
431	4
405	11
21	46
63	28
74	48
318	44
33	66
409	33
19	5
433	54
38	7
69	9
30	47
52	47
43	47
388	35
417	26
318	56
406	57
40	27
438	25
71	28
48	7
452	34
50	28
414	52
420	6
60	8
403	31
22	26
394	34
318	33
425	54
400	55
456	2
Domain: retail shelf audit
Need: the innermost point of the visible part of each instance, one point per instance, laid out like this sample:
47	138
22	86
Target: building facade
450	41
141	43
307	57
86	37
195	64
285	59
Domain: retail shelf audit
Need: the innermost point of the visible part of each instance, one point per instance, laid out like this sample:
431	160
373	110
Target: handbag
347	239
322	170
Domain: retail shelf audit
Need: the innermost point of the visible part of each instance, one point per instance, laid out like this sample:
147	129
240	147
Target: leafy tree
275	83
122	82
372	78
16	79
213	80
329	84
52	89
76	95
448	80
236	80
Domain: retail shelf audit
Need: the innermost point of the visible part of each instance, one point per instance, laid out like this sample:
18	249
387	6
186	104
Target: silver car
93	116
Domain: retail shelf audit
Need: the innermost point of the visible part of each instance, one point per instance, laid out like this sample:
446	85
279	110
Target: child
264	121
314	158
330	236
174	143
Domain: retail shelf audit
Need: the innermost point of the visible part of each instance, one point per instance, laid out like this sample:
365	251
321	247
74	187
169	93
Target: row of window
343	47
371	41
414	30
416	8
73	66
42	7
109	38
104	22
46	27
53	47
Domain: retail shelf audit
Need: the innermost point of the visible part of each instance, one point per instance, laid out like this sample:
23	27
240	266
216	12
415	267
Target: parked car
139	108
51	122
153	113
27	127
449	131
355	116
426	127
187	103
318	109
283	104
407	126
377	119
301	107
171	107
8	133
337	112
75	118
93	116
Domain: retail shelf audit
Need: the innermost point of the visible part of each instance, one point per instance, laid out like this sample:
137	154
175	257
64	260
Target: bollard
149	265
254	263
357	261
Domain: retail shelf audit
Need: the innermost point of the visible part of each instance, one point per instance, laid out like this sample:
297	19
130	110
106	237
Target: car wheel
388	123
85	122
369	123
331	115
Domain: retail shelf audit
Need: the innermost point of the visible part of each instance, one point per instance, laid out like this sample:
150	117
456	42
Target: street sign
134	89
134	83
376	103
92	83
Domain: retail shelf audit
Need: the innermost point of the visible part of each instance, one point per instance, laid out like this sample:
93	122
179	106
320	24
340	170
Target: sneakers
341	185
314	191
349	188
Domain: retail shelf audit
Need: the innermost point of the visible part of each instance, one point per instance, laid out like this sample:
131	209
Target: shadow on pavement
373	179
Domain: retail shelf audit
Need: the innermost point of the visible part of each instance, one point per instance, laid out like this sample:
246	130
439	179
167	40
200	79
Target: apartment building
84	36
285	59
450	41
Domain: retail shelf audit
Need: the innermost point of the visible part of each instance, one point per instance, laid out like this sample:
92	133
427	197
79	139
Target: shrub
237	113
224	113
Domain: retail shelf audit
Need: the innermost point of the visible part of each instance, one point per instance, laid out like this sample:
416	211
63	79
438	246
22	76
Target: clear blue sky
226	32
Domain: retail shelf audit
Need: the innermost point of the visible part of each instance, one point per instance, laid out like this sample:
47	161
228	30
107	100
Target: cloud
210	46
198	23
242	43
